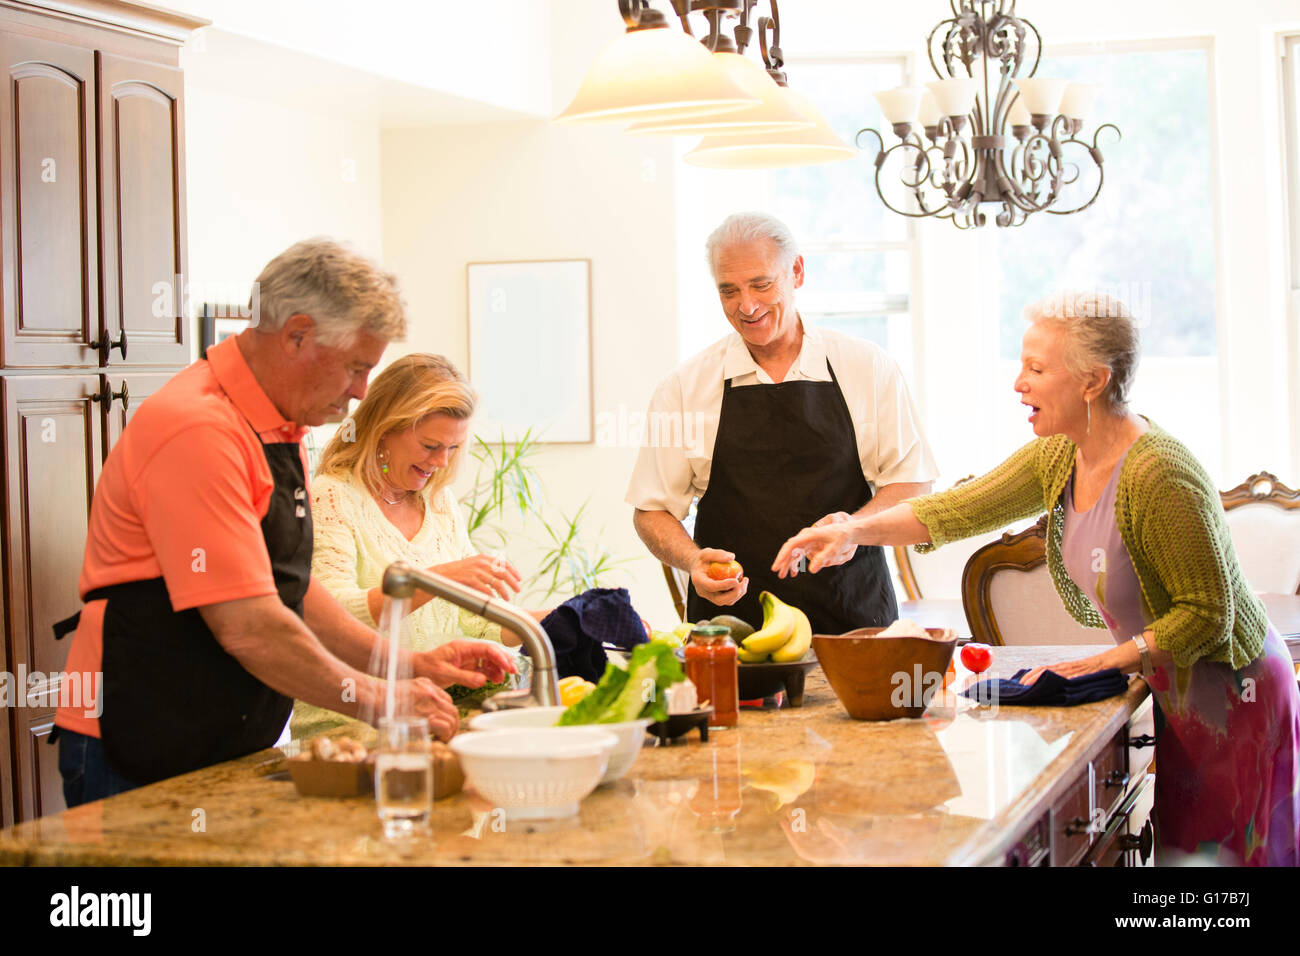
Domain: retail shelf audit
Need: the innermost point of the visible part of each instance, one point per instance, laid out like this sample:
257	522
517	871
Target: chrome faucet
401	581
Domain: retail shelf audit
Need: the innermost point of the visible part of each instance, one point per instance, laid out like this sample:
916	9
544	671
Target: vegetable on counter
638	691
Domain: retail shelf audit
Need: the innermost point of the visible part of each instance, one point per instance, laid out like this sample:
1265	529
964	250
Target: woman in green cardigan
1137	543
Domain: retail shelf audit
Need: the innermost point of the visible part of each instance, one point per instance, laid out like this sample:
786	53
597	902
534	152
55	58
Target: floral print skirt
1228	761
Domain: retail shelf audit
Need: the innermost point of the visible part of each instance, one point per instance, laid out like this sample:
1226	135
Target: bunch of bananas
785	635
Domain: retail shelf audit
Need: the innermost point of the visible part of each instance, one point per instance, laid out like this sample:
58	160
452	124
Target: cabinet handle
1142	842
106	395
1144	740
107	345
1116	778
1077	826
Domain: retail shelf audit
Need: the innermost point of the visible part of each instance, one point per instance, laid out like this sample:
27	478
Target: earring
382	457
1088	432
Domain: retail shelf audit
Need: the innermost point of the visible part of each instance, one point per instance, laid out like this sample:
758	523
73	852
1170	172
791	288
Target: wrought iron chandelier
988	132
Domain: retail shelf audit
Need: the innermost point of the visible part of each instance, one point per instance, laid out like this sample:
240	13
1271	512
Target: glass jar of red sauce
711	665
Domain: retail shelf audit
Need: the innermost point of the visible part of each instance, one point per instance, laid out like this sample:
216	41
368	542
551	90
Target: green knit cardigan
1170	518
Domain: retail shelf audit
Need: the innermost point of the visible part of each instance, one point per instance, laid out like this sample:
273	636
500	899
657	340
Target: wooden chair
1009	597
938	575
678	583
1264	521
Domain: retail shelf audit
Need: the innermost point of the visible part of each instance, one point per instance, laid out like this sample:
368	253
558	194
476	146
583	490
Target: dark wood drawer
1071	822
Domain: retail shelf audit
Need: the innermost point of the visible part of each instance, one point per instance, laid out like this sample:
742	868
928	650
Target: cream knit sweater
355	542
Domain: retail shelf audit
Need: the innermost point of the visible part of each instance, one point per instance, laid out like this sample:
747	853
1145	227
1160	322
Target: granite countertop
787	787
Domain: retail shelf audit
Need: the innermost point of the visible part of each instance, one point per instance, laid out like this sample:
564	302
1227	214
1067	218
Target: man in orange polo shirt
200	608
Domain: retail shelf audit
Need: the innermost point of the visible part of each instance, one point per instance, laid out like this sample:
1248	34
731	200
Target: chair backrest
1264	521
678	582
938	574
1009	598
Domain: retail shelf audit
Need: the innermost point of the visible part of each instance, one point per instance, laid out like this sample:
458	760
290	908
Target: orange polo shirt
182	497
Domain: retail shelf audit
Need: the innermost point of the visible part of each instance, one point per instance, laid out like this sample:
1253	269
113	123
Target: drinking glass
404	776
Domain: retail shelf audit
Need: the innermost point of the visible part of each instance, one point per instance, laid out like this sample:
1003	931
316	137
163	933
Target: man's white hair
744	227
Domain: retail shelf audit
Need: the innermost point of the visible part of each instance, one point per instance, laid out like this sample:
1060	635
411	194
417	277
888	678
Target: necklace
398	500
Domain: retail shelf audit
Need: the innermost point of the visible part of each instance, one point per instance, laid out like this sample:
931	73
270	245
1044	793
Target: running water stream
390	627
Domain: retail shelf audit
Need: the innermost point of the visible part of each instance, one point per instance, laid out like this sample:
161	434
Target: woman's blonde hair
400	397
1100	331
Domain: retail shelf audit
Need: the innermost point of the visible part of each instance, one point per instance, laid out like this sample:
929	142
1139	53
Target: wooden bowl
885	678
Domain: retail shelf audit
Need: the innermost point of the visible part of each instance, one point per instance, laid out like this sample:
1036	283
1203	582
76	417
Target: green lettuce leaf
590	708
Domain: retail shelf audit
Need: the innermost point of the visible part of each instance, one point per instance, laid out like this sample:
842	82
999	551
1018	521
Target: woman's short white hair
344	293
743	227
1100	331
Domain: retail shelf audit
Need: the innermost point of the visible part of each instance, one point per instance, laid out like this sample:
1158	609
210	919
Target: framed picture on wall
530	348
218	321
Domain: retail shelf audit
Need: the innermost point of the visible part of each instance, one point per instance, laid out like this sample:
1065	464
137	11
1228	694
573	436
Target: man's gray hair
743	227
344	292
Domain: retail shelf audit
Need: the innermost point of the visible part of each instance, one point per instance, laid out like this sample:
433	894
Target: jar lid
713	631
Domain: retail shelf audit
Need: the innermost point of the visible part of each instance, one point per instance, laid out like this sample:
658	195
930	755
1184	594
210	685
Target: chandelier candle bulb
902	105
1019	115
929	113
1042	97
1077	103
955	97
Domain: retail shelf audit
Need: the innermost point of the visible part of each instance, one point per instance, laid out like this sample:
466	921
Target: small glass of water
404	776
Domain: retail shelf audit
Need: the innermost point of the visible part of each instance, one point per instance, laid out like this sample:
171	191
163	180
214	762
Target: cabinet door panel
141	131
53	450
41	766
47	155
137	387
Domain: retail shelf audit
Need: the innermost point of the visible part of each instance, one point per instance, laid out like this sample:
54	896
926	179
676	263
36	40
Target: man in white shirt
775	427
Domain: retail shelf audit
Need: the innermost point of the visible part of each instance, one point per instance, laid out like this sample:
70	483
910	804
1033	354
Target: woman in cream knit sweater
382	493
1137	543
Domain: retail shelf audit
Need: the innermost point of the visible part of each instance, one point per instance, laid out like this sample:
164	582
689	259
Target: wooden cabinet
49	204
92	266
141	152
1103	816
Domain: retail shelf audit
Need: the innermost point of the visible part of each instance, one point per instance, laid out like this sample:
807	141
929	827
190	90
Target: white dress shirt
672	467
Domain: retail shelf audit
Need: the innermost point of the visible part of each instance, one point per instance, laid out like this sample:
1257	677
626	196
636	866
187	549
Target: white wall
261	175
533	190
495	52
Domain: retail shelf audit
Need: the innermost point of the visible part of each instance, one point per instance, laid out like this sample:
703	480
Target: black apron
786	455
174	700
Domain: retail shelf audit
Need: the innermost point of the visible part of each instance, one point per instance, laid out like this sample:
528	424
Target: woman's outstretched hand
827	543
495	577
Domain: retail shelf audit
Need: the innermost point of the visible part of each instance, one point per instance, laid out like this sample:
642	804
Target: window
1150	238
1291	120
858	255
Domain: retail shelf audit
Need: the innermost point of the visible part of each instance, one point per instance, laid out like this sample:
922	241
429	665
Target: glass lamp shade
774	113
655	74
1079	100
1041	97
930	115
800	147
901	105
954	97
1018	114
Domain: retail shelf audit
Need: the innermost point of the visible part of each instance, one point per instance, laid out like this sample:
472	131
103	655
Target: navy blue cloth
579	626
1050	690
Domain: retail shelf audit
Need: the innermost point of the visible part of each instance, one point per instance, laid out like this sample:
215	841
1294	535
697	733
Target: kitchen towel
579	626
1050	690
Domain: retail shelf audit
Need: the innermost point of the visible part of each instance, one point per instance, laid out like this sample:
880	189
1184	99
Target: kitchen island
964	785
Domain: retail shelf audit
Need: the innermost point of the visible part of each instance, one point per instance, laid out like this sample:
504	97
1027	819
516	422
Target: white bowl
630	733
535	773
